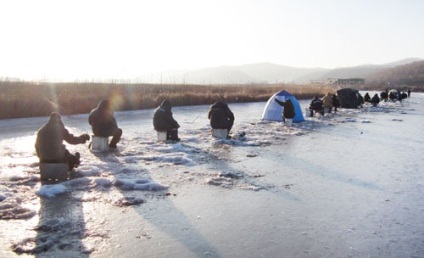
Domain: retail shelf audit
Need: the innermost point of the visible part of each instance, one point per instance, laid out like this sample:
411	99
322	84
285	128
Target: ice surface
340	185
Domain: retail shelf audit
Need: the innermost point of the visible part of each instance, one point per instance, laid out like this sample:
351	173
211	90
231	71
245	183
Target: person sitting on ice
49	143
392	96
221	117
384	95
164	121
316	105
288	109
367	97
404	95
375	100
103	123
327	102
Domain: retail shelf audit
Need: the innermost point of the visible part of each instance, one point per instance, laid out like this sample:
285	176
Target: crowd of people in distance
330	101
49	142
394	95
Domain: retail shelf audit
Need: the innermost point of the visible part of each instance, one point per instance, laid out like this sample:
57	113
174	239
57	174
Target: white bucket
99	144
54	171
220	133
288	121
161	136
307	112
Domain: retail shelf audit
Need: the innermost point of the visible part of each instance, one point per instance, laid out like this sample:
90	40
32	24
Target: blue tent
273	111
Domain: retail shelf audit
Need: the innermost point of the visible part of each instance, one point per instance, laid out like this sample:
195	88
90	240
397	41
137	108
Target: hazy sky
94	39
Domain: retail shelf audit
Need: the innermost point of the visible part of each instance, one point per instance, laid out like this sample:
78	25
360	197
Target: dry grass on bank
27	99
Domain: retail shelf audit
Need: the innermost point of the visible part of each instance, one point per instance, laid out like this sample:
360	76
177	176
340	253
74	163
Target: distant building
350	81
333	81
328	81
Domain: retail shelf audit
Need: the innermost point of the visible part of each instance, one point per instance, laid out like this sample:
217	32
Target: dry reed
30	99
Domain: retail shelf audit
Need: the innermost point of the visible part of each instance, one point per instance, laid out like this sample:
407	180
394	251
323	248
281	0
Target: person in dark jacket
103	123
49	144
220	116
316	105
392	95
384	95
288	109
375	100
367	97
163	121
335	101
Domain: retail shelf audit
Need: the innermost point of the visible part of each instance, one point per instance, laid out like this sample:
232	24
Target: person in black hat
49	143
220	116
103	123
164	121
316	105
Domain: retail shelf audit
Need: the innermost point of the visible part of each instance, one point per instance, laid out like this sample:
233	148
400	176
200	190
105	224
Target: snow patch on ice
138	184
51	190
88	171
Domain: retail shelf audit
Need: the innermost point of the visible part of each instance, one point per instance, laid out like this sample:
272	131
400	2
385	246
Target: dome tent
349	98
274	112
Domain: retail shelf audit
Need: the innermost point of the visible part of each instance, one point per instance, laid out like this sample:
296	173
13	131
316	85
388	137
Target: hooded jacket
220	116
49	144
162	118
102	120
367	97
375	100
316	104
288	111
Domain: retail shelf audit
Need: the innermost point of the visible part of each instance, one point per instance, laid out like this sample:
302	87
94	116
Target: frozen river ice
344	185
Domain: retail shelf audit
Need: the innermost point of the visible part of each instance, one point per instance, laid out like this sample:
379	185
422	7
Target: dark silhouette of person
384	95
409	93
220	116
288	109
335	101
367	97
398	95
375	100
392	96
164	121
103	123
316	105
49	144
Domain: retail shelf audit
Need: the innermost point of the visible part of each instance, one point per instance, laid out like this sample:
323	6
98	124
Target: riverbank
31	99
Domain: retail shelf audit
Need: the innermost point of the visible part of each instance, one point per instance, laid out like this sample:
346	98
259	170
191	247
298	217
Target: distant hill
243	74
273	73
364	71
411	74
